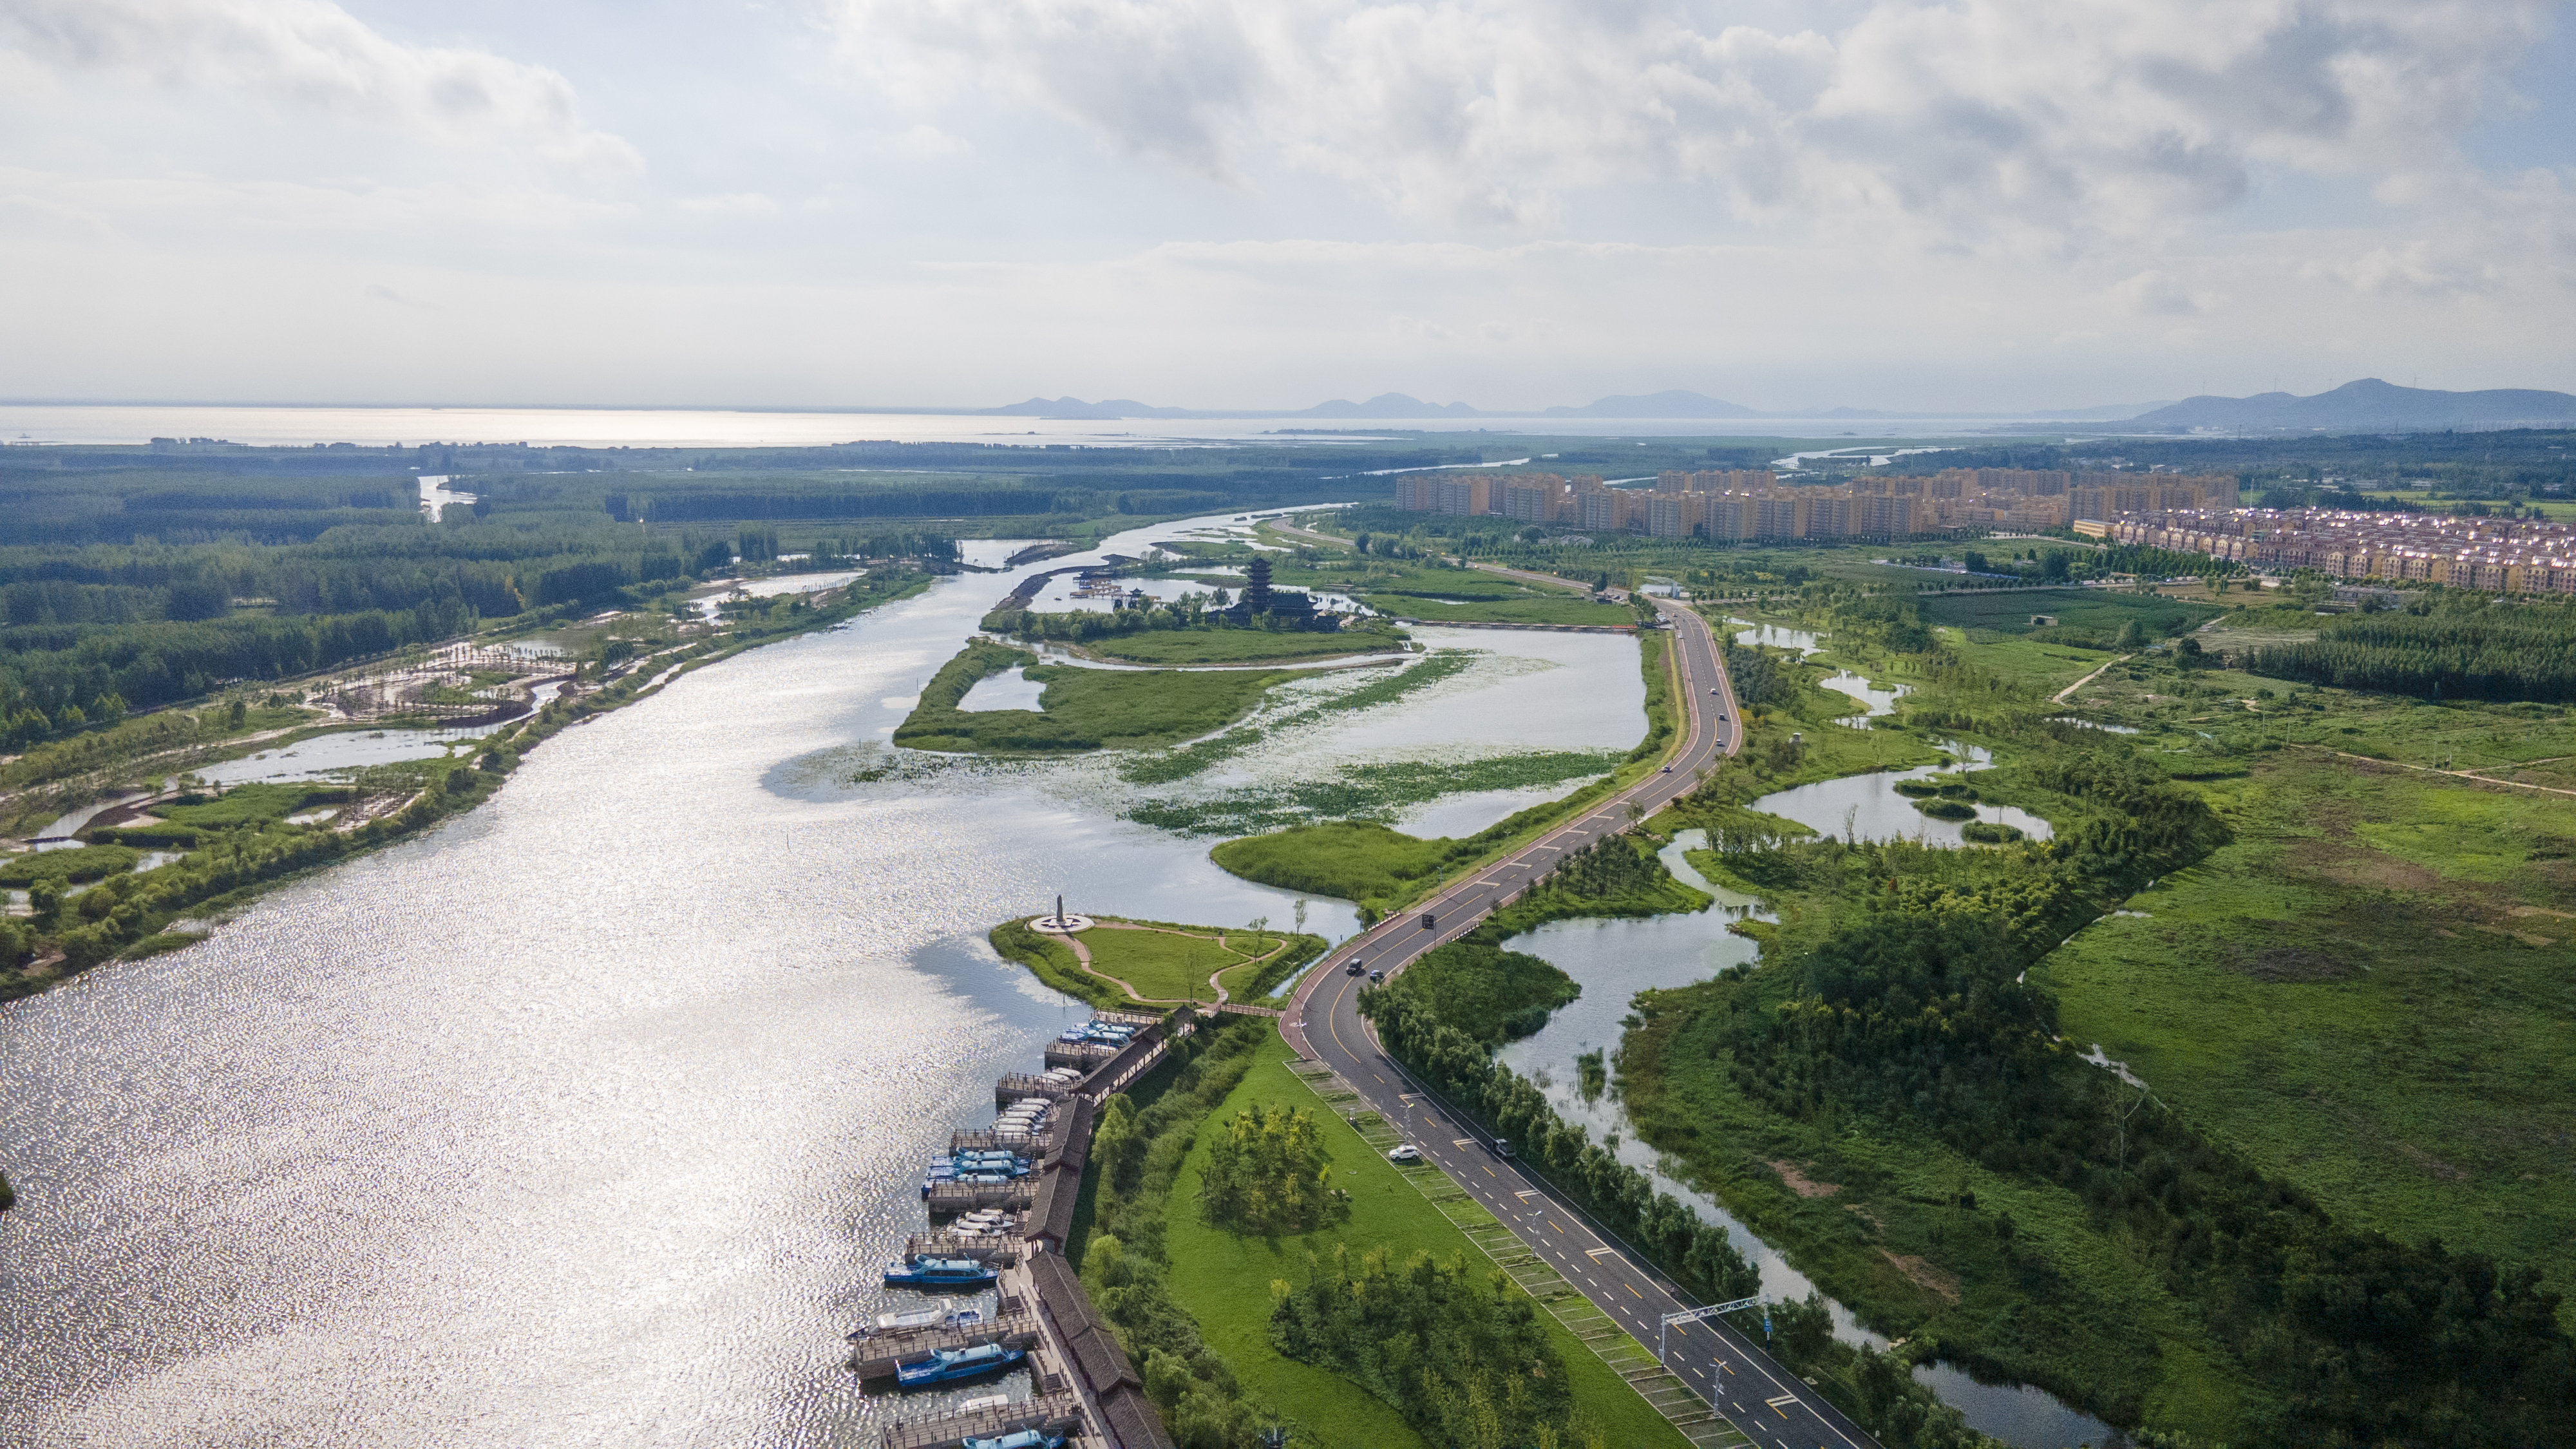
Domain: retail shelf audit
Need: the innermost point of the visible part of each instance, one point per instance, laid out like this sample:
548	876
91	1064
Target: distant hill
1074	407
1672	404
1386	405
2369	405
2107	413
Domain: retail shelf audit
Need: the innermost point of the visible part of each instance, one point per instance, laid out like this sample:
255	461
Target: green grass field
1163	964
1224	1280
1081	709
2009	611
1241	646
2348	995
1356	860
1531	608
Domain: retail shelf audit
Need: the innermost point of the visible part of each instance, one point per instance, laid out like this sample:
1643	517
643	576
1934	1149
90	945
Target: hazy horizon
842	203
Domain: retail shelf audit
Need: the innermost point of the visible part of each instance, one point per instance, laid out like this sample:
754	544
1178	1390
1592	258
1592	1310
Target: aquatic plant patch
1366	792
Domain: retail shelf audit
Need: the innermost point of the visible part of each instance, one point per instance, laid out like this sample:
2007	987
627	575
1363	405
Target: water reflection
1777	636
322	756
1868	807
1878	701
586	1119
1010	689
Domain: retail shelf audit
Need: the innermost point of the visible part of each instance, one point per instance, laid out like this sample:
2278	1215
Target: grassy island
1122	963
1080	709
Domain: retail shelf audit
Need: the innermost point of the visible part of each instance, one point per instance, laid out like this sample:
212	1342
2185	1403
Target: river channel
1614	960
591	1117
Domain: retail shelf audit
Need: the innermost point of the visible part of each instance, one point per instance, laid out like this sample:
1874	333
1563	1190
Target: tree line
1906	1005
2461	649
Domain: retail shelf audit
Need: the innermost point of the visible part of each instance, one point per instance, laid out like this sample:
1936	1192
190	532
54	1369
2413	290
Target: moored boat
950	1365
928	1272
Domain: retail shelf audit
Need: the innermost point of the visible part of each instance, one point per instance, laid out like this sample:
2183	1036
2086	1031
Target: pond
1879	701
320	756
1777	636
1868	807
1010	689
1614	960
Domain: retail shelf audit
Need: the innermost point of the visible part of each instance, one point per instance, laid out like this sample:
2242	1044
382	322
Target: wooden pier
1019	1086
1057	1412
875	1358
1085	1055
999	1248
1031	1145
948	1199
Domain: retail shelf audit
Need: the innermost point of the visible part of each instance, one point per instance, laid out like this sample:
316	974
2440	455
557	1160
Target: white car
1406	1153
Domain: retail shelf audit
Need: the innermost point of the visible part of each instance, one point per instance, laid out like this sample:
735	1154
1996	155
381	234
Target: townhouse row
2502	555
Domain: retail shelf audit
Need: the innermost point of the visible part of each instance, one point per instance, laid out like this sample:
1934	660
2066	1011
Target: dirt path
2451	774
2068	692
1082	954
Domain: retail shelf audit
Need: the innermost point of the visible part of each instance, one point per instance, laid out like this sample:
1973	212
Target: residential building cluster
2500	554
1733	505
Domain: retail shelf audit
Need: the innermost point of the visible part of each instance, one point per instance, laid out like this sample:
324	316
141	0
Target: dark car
1377	976
1426	920
1353	969
1502	1149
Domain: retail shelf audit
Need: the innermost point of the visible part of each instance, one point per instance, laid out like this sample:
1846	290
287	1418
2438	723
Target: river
590	1117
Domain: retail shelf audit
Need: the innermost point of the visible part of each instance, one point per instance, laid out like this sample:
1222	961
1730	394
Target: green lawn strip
1162	965
1241	646
1081	709
2077	611
2345	995
1525	607
1224	1280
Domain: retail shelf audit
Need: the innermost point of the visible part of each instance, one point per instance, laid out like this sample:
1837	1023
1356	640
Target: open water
591	1117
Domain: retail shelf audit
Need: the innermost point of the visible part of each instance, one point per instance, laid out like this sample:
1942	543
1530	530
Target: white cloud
312	56
2154	293
1983	122
742	203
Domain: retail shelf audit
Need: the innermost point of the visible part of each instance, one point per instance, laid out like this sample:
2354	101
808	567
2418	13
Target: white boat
920	1318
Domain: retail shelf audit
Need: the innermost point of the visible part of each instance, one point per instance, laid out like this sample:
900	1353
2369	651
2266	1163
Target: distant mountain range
1397	407
2369	405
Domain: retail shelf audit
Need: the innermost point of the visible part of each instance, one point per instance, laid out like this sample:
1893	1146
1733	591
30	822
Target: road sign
1663	1333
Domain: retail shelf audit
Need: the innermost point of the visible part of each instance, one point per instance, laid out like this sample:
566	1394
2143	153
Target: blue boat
1025	1439
929	1272
953	1365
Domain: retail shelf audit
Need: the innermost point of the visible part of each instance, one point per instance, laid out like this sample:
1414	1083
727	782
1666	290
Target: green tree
1268	1174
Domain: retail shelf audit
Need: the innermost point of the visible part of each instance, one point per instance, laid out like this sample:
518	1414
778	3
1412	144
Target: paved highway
1769	1403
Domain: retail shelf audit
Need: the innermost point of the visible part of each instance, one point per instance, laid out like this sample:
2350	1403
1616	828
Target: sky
1974	205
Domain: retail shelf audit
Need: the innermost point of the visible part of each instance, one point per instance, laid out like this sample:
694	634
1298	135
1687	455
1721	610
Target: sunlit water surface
590	1118
586	1120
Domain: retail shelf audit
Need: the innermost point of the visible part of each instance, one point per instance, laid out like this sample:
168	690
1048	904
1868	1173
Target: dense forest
132	579
2459	646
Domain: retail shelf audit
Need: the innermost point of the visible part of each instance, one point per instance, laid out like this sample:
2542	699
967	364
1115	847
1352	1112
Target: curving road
1760	1397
